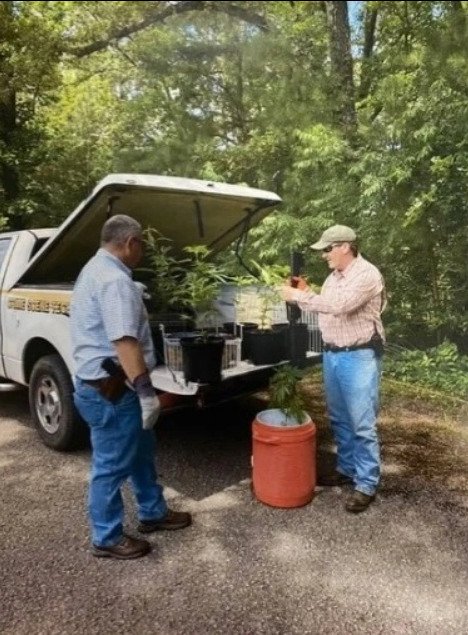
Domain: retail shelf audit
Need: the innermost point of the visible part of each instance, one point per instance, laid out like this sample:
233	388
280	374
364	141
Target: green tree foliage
28	73
413	169
255	92
441	368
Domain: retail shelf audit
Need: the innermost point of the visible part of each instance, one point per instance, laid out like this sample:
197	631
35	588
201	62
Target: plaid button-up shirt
349	304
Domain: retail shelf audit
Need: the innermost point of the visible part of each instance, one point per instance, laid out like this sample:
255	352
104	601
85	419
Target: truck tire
51	404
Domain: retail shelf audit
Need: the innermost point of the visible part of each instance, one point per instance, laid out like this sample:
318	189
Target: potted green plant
202	353
267	344
200	287
162	273
184	290
286	397
284	445
164	270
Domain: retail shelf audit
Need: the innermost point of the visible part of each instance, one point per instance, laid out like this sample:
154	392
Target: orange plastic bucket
283	463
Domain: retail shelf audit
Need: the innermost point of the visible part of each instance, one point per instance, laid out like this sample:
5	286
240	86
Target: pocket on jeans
90	406
87	392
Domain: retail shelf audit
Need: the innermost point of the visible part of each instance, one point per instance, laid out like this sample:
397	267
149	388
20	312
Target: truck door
4	245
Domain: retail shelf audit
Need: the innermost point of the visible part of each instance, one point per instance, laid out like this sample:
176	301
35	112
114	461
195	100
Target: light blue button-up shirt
106	305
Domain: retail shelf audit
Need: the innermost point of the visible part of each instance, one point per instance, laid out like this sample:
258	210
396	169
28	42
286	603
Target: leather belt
330	348
95	383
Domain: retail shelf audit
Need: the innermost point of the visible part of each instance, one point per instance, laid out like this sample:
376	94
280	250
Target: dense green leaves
441	368
285	394
249	92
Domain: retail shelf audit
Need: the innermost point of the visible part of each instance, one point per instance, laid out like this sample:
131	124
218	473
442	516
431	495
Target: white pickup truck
38	269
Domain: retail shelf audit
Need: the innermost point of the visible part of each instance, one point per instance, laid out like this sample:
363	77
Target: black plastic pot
202	358
298	344
241	330
265	346
230	327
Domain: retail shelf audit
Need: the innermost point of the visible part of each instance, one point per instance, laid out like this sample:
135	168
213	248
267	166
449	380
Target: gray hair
119	228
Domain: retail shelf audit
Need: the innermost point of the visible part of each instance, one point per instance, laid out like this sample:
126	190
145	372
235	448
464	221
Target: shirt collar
354	263
103	253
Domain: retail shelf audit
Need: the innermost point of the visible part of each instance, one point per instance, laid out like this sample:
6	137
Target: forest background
355	113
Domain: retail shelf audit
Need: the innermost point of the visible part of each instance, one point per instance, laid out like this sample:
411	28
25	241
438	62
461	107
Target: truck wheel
51	404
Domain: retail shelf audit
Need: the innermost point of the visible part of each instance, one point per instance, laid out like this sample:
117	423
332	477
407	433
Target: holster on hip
112	388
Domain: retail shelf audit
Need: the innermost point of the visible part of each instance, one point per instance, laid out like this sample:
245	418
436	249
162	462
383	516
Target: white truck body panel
29	315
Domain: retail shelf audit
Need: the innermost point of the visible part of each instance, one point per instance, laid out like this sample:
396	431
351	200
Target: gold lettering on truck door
18	304
38	305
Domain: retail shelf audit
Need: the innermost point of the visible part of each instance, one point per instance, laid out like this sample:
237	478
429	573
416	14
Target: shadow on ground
417	442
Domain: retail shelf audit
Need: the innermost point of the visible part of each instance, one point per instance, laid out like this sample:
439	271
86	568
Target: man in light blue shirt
113	354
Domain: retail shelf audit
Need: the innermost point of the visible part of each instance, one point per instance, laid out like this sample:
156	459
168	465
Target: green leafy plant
165	269
188	285
269	278
285	394
441	368
200	286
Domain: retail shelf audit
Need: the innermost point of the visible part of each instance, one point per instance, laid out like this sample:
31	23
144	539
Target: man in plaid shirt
349	307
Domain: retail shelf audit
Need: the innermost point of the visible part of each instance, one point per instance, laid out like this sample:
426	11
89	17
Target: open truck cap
187	211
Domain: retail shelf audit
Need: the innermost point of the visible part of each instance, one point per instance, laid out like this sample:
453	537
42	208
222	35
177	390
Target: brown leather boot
126	549
172	520
358	502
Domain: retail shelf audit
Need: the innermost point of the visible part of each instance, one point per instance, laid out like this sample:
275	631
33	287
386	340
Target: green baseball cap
335	234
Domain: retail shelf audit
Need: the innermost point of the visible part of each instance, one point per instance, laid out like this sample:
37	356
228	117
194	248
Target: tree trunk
370	23
459	21
341	64
239	107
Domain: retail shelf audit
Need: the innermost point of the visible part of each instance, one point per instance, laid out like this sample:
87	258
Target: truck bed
244	378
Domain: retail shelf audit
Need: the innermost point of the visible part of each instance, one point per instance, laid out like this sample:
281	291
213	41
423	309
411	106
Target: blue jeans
121	450
351	381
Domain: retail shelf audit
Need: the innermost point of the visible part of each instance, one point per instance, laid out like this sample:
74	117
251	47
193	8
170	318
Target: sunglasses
327	250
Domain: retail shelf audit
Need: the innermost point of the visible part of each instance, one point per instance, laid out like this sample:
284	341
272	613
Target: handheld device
110	366
298	332
297	264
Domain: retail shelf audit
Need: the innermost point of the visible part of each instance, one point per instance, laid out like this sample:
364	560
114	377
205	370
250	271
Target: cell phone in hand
297	264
